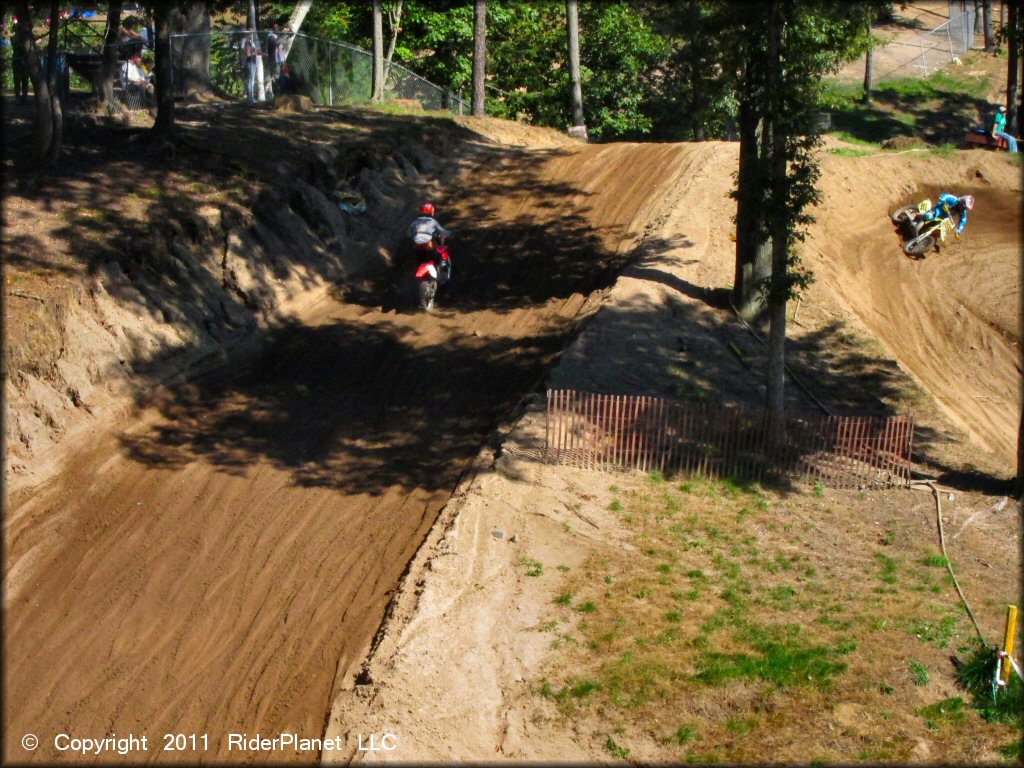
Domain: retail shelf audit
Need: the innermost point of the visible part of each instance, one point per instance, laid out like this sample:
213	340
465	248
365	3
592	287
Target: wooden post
1011	629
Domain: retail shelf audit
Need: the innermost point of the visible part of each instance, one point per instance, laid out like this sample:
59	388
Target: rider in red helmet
424	232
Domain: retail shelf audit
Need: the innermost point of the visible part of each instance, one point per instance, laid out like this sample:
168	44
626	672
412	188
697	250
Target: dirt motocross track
220	560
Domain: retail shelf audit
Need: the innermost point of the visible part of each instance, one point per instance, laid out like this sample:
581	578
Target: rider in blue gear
948	205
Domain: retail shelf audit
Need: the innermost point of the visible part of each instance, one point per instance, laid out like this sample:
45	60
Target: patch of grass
850	152
889	568
782	597
683	735
919	673
946	712
587	607
732	487
946	150
615	749
783	661
583	689
937	634
565	598
615	506
934	561
1014	751
655	477
533	567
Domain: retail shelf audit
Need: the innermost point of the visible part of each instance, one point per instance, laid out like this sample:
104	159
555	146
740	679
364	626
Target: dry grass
745	626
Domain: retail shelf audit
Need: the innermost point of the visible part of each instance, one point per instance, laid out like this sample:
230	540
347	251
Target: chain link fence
932	50
329	73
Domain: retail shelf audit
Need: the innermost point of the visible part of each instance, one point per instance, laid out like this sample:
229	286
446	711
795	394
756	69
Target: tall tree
395	25
779	227
579	125
104	84
753	243
990	39
163	127
869	62
479	55
193	70
48	136
1013	43
377	85
785	54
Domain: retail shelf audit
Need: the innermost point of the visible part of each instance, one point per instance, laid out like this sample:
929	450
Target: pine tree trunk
104	85
778	226
986	13
49	121
193	20
163	128
479	55
869	65
753	244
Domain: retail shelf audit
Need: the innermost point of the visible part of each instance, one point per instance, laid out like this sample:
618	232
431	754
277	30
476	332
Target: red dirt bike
432	273
919	232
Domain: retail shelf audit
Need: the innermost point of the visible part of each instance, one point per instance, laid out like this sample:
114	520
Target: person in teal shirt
999	129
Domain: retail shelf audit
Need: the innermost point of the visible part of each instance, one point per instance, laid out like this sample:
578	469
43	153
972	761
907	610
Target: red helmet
968	201
428	208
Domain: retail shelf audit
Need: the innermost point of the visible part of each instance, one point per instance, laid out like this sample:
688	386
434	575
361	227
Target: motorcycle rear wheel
919	245
906	213
425	294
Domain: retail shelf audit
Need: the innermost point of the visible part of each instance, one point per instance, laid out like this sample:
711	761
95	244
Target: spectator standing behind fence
250	61
999	129
19	70
274	51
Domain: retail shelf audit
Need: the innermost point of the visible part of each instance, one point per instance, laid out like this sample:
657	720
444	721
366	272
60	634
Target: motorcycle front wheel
919	245
425	294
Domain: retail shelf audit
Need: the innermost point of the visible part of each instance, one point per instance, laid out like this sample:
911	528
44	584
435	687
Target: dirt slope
219	561
455	672
243	532
952	320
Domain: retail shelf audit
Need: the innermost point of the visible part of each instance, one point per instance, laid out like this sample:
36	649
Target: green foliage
1005	704
934	633
533	567
919	673
615	749
889	568
942	713
783	661
684	735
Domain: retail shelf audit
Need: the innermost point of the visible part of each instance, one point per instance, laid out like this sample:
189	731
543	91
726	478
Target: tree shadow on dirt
346	406
549	251
706	355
